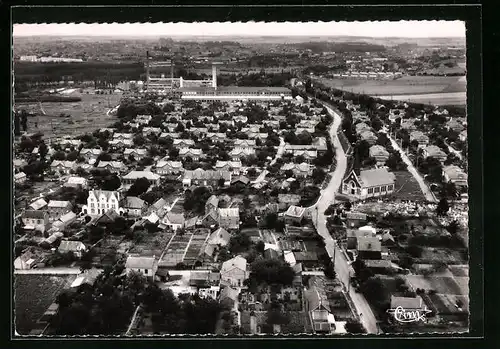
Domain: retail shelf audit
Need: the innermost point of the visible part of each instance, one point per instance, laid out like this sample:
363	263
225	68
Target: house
362	127
455	125
318	307
78	248
435	152
132	176
146	131
20	178
378	266
77	182
463	136
294	214
212	203
90	155
407	303
101	201
106	218
137	154
240	180
369	183
369	247
63	166
121	143
231	166
216	137
29	259
169	168
19	163
240	118
211	219
368	136
200	177
387	239
455	175
286	200
173	135
134	206
234	272
354	234
229	218
35	220
320	145
199	131
123	136
379	153
308	155
143	119
174	220
229	297
64	220
355	219
111	166
194	153
219	238
147	266
38	204
183	143
408	124
239	152
308	259
299	170
57	208
244	143
420	137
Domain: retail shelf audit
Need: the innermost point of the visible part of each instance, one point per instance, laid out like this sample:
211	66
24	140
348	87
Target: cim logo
406	316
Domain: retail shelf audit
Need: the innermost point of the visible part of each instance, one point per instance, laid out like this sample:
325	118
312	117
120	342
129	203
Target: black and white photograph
240	178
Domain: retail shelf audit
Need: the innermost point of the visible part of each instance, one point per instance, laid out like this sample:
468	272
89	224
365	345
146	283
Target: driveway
342	267
429	196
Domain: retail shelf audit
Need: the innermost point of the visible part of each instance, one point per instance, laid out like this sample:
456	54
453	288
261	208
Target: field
440	90
197	242
33	295
406	187
176	250
86	116
441	284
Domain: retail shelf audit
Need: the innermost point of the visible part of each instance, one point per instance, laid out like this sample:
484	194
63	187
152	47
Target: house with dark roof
369	183
111	166
354	234
134	206
137	154
355	219
200	177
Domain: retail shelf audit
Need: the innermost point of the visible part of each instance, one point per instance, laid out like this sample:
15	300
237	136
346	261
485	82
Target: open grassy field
406	187
438	90
86	116
33	294
405	85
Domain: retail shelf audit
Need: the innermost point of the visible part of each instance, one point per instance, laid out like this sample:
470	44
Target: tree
260	246
139	140
329	270
140	186
442	207
239	243
318	175
60	156
17	124
272	271
352	326
111	182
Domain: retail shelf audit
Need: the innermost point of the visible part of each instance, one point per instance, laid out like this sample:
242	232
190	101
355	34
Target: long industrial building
207	90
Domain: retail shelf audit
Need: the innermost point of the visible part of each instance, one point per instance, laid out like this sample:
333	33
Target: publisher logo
405	316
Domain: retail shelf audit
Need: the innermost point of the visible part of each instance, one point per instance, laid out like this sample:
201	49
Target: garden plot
406	187
152	244
441	284
459	270
33	295
176	250
197	242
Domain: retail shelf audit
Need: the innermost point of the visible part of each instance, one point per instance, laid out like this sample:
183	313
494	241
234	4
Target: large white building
100	201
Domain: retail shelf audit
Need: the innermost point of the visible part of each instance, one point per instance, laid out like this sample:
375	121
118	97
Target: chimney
214	76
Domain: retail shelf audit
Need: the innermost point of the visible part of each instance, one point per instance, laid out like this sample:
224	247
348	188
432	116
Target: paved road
429	196
342	268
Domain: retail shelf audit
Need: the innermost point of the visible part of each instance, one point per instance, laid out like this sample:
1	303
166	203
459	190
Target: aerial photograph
240	179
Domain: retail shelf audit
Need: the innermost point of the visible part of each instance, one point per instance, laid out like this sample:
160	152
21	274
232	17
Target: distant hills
385	41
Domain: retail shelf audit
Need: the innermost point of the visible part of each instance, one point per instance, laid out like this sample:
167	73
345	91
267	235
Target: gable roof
58	204
212	200
74	246
142	174
236	262
134	202
219	237
366	243
107	194
295	211
137	262
229	212
38	204
34	214
376	177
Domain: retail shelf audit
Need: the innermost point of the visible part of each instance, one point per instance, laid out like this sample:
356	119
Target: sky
410	29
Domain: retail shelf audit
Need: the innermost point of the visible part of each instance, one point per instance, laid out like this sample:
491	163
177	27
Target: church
369	183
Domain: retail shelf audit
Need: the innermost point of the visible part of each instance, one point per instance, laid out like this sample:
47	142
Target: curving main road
342	267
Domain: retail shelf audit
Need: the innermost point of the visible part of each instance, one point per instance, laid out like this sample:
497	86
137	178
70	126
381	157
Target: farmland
86	116
34	294
439	90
